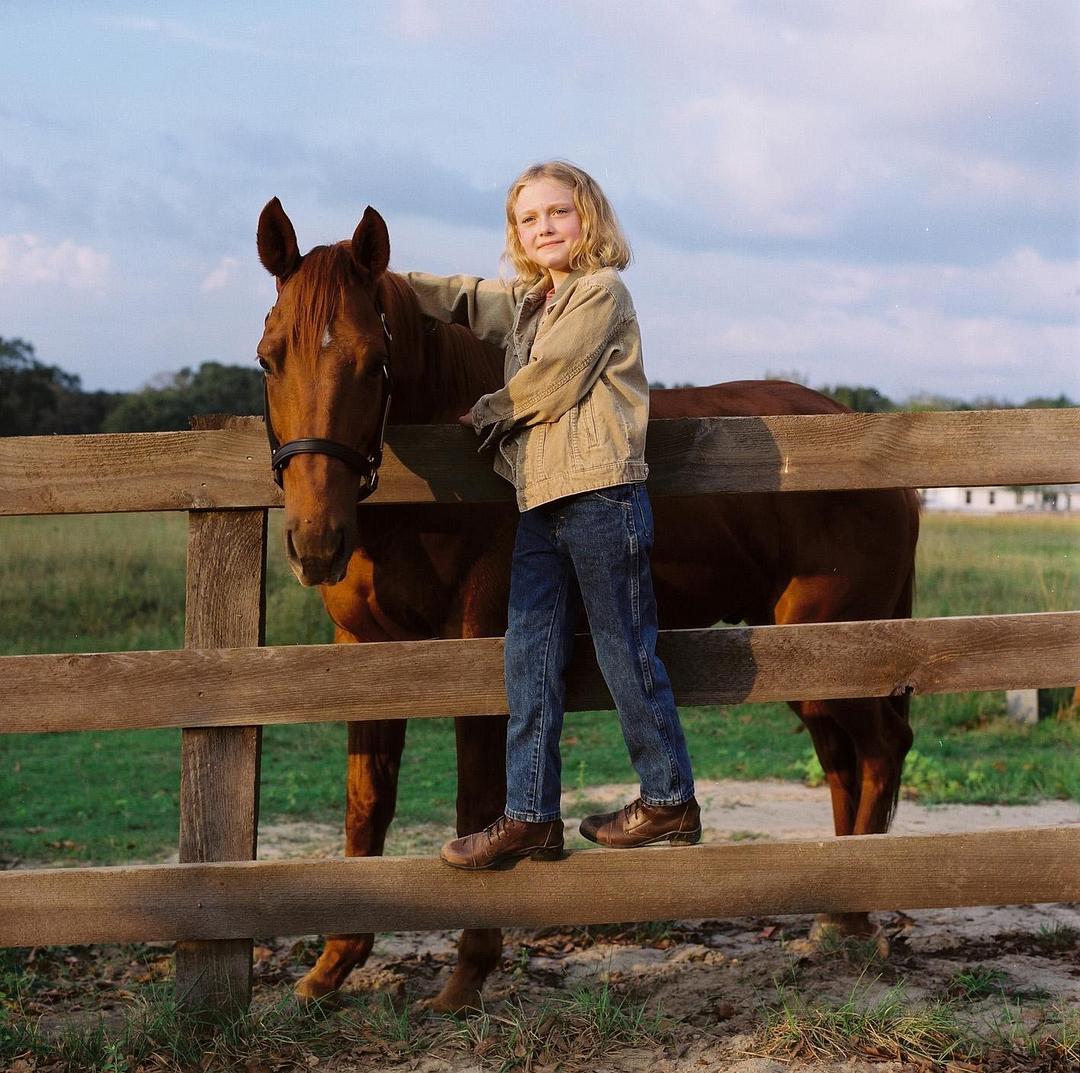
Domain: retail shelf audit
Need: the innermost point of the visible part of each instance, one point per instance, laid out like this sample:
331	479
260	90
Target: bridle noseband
367	465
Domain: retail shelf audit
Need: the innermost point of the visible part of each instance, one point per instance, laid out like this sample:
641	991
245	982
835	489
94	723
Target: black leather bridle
367	465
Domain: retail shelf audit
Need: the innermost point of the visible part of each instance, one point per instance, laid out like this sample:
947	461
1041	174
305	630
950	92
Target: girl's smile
548	225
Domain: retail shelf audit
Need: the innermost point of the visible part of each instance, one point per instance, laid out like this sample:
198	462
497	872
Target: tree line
38	399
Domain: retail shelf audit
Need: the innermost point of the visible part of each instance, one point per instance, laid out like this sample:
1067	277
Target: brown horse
437	571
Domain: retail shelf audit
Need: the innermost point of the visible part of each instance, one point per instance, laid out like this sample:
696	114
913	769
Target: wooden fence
223	687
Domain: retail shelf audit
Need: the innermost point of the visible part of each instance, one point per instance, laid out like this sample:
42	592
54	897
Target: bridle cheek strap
366	465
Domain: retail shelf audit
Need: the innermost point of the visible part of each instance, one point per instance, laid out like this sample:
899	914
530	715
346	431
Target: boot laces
497	830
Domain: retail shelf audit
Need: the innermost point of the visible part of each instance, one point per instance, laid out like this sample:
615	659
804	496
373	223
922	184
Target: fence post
219	767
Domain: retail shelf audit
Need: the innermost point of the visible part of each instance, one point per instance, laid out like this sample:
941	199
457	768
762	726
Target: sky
838	191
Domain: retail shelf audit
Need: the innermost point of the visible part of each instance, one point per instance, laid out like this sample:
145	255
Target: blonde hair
601	243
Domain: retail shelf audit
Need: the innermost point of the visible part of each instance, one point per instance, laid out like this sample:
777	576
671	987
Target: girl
569	433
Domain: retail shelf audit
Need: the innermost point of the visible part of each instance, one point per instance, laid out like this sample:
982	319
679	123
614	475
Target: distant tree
211	389
865	400
659	385
927	401
34	397
27	389
787	374
1041	402
40	400
82	412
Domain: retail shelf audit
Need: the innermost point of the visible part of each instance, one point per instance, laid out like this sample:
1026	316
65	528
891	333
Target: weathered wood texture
301	897
326	683
230	468
197	470
219	766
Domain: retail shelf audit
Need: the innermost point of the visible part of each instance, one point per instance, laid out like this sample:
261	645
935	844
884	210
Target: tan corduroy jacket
574	412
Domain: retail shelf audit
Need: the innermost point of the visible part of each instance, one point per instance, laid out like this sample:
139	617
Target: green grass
1013	563
566	1031
874	1023
113	583
583	1025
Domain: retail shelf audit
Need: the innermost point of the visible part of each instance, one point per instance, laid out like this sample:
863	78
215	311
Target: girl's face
548	225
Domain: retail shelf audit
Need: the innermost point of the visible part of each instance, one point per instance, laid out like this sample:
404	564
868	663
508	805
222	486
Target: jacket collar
538	292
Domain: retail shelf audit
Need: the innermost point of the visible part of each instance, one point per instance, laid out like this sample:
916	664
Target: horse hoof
802	948
455	1000
313	992
852	936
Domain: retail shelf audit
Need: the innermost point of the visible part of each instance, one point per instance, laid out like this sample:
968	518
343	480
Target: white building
1057	498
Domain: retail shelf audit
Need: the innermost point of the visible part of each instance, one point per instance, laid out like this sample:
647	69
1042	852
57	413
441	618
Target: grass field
114	583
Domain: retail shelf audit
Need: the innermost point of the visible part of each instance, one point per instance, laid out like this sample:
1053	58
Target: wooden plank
846	451
230	468
328	683
219	766
856	874
198	470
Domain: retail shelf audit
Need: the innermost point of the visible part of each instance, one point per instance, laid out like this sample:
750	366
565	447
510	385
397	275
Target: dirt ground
730	811
715	976
714	979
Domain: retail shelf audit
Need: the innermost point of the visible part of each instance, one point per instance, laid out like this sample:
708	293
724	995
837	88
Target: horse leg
860	743
371	794
836	754
873	737
481	798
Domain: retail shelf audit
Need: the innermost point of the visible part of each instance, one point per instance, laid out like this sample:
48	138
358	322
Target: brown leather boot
639	824
505	841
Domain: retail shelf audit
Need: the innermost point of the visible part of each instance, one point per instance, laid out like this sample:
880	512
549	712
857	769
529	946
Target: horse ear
277	241
371	244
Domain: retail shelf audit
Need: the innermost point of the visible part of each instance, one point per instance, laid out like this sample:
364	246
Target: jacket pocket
606	423
588	421
535	446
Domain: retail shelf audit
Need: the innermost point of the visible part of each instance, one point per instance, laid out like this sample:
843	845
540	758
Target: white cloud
28	260
428	20
221	275
806	122
176	30
756	163
1009	328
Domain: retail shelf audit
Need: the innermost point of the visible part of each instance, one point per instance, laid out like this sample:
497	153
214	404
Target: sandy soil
715	977
713	980
731	810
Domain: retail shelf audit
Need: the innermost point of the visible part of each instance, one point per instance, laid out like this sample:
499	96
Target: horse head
325	355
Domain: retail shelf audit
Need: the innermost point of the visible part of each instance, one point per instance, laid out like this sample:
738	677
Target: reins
367	465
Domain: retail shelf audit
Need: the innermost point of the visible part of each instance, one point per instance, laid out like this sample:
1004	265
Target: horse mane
438	368
317	291
442	367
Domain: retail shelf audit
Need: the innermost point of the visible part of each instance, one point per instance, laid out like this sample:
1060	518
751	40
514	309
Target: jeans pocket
619	495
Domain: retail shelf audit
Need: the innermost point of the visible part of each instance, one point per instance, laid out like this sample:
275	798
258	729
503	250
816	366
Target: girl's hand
466	419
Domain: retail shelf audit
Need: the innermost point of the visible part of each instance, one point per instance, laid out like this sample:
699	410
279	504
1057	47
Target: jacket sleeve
565	363
485	306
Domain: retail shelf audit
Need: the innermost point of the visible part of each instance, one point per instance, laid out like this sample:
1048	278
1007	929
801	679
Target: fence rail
225	901
222	688
392	680
228	468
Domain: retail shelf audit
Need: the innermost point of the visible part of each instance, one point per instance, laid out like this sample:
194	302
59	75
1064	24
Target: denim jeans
590	548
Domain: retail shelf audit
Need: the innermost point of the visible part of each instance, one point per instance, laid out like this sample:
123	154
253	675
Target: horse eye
263	364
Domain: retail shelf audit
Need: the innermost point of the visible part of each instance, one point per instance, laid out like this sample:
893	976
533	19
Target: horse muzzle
318	556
